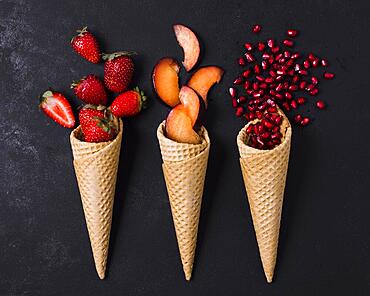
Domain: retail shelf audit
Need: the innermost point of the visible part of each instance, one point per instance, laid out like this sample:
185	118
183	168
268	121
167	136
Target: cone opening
285	129
173	151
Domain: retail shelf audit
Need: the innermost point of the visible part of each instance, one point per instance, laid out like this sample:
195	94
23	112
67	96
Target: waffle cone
264	174
96	171
184	168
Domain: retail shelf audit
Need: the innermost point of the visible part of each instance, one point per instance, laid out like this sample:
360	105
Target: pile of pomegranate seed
265	134
274	74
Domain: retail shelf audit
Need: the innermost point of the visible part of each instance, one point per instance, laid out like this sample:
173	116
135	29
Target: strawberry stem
111	56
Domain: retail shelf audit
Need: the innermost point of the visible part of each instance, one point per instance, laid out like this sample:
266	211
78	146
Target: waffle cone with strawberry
183	140
95	159
264	148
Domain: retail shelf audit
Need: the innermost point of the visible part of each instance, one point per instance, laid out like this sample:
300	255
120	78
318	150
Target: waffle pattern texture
264	174
184	168
96	167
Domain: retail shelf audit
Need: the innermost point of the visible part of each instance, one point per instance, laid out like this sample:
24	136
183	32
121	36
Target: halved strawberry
57	107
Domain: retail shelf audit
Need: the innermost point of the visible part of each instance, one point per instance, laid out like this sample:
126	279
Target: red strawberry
90	90
97	124
86	45
118	70
57	107
129	103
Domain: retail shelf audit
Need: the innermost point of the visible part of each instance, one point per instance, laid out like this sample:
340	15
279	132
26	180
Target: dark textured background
44	246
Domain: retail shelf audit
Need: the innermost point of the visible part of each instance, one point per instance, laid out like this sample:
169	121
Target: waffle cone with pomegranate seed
96	167
264	173
184	169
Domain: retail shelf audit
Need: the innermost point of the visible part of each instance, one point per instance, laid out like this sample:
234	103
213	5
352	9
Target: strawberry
128	103
90	90
97	124
57	107
118	70
86	45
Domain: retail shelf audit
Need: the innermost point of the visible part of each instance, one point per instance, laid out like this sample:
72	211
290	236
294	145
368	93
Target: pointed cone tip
101	274
188	277
269	278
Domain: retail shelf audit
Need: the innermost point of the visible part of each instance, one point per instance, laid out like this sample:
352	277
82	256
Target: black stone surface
44	246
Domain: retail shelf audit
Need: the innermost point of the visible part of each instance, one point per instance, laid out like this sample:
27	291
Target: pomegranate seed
256	29
288	95
302	72
278	120
265	135
249	128
239	111
279	77
279	87
249	91
279	96
257	69
260	78
249	57
271	60
278	56
242	99
275	49
271	43
287	54
328	75
286	106
241	62
320	104
272	109
265	56
293	103
305	121
263	85
306	64
248	46
293	87
301	100
264	65
267	124
246	73
261	46
311	57
297	67
272	73
238	81
302	85
295	56
246	85
315	63
298	118
310	87
295	78
290	63
232	92
288	43
281	61
255	86
324	63
256	95
292	33
269	80
314	80
234	102
314	92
